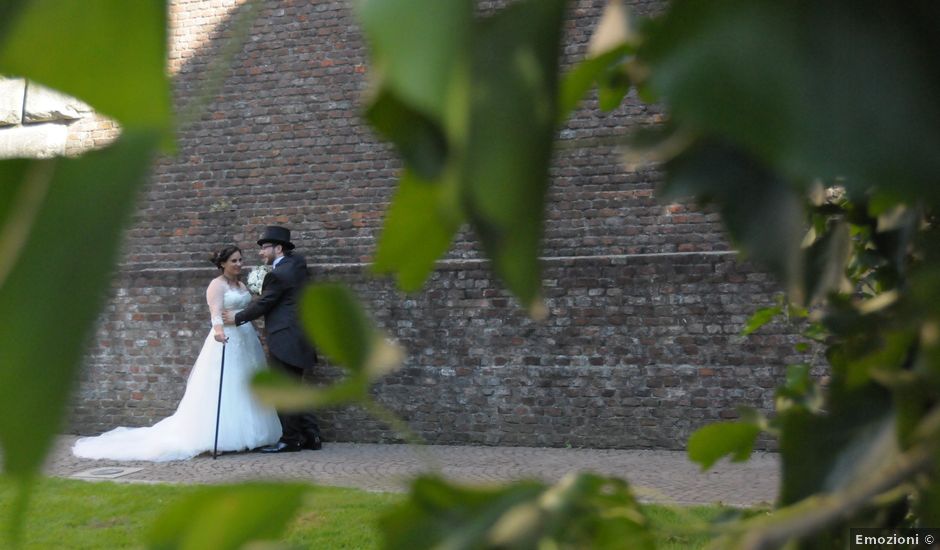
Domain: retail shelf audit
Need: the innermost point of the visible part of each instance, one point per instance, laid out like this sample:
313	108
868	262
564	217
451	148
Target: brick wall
281	140
646	303
637	351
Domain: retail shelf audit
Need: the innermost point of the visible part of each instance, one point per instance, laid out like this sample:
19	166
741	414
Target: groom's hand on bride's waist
229	317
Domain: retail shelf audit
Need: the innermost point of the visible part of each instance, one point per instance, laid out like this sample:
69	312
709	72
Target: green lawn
77	514
681	527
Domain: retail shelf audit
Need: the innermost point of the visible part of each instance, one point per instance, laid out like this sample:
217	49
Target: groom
288	348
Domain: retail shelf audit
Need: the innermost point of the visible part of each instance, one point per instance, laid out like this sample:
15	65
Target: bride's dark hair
223	255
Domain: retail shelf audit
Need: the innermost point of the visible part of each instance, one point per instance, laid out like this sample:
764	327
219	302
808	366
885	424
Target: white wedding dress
243	422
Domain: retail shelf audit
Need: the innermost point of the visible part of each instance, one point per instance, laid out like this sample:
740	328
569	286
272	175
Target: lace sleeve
215	297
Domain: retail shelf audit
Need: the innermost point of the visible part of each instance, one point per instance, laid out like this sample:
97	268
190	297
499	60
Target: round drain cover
106	471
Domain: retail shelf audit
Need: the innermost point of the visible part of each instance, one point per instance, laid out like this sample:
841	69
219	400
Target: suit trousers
296	427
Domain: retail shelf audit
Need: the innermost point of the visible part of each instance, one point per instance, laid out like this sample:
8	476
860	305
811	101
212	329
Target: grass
76	514
682	527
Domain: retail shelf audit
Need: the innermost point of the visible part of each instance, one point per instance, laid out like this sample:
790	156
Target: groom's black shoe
281	447
313	442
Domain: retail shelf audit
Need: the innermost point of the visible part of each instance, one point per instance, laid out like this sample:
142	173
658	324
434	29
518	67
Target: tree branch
815	513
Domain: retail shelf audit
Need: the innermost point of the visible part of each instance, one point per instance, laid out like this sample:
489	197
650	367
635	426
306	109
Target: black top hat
277	235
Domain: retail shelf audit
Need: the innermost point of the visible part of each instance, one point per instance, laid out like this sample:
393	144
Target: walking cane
218	409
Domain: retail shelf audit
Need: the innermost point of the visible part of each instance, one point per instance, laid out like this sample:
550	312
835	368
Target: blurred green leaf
871	351
796	312
471	105
791	82
826	452
760	318
914	396
14	517
657	144
418	50
55	280
581	511
109	53
893	241
613	88
9	11
338	325
421	62
419	226
799	380
513	111
816	331
762	214
891	354
19	205
420	140
286	394
440	515
703	60
275	389
341	329
927	505
710	443
799	390
579	80
825	263
847	324
222	518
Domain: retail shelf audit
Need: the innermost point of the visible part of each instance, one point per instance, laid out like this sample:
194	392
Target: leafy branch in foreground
769	103
50	206
47	205
849	230
579	511
820	176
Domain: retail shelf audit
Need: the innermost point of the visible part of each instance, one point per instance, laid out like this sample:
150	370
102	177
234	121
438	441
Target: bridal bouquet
256	278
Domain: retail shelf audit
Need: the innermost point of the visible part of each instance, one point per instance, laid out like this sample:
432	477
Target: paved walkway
657	476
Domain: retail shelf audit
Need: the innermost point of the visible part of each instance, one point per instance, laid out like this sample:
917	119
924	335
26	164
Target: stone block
47	105
11	100
39	141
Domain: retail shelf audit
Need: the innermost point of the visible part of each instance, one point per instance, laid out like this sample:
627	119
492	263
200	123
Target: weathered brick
641	345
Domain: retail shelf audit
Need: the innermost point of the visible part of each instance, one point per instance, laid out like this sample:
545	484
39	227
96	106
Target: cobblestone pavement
657	476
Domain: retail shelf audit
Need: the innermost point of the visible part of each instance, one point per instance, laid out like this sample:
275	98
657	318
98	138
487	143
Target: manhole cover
106	473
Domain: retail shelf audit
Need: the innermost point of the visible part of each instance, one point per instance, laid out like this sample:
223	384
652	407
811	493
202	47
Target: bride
243	422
